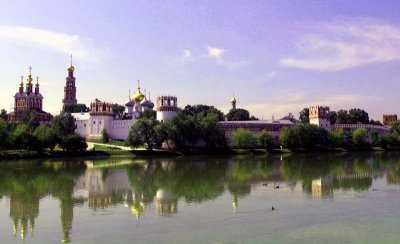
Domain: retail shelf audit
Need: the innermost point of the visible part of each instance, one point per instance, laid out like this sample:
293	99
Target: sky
277	57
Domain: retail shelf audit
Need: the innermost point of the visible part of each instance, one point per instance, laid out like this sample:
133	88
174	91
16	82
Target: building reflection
166	203
23	211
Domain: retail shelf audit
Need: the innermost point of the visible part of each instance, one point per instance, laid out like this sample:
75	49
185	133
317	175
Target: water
330	198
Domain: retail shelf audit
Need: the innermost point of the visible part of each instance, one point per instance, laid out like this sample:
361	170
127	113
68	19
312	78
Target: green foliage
243	138
182	130
333	117
105	137
336	138
149	114
360	137
73	143
303	136
239	115
144	132
46	137
374	137
202	109
395	127
21	137
305	116
75	108
389	141
3	114
63	125
353	116
4	134
264	139
118	111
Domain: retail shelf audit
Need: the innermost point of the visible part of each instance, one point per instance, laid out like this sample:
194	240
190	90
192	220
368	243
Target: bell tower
70	88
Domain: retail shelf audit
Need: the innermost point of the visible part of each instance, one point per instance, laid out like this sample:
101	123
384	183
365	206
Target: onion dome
71	68
138	96
151	104
233	100
130	104
145	103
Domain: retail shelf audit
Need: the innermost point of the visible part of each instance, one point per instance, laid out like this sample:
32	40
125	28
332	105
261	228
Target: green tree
305	116
388	141
303	136
46	136
73	143
75	108
358	116
202	109
209	130
360	137
336	137
242	138
395	127
63	125
21	137
374	137
149	114
144	132
264	139
3	114
4	134
118	111
342	117
238	115
105	138
183	130
332	117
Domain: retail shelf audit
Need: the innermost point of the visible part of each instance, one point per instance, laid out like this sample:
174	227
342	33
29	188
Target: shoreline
10	155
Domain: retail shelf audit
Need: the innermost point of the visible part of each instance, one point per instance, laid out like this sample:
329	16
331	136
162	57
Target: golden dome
138	96
71	68
233	100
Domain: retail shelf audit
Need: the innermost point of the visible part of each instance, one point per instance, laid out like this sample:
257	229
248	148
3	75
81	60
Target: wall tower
319	115
167	107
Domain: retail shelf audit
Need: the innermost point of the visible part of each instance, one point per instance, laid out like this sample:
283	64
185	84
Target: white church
100	116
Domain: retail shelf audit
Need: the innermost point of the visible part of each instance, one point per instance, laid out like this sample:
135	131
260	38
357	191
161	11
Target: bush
388	141
73	143
105	138
264	139
243	138
303	136
46	137
360	137
336	138
4	135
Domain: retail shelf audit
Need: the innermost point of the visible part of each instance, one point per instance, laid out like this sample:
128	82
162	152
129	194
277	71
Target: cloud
215	52
68	44
187	53
347	44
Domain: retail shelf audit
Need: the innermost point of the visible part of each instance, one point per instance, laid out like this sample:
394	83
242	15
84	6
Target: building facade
70	88
28	100
388	119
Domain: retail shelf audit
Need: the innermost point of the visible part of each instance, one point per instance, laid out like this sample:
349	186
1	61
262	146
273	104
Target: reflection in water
163	183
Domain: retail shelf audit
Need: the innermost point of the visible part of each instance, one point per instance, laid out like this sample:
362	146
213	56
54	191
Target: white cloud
347	44
215	52
68	44
187	53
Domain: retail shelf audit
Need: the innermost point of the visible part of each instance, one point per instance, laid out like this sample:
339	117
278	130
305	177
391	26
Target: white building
100	116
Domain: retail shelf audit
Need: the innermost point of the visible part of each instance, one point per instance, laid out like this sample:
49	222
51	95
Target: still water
330	198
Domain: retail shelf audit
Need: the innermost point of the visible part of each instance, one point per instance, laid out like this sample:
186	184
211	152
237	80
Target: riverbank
104	151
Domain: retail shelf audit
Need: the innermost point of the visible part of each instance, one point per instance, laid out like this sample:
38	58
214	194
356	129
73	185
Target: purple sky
276	56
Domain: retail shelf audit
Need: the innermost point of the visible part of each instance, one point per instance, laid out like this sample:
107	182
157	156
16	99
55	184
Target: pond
330	198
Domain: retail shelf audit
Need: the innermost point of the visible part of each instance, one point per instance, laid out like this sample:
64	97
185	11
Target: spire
129	98
30	75
37	80
30	70
22	82
138	84
149	96
71	68
71	59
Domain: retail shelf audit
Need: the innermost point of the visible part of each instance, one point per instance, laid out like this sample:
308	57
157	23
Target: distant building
319	115
388	119
167	107
28	101
70	88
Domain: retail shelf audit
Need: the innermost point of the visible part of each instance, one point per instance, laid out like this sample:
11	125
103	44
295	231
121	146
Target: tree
336	137
63	125
395	127
360	137
183	130
75	108
204	109
358	116
388	141
4	134
342	117
375	122
105	138
332	117
73	143
149	114
238	115
46	136
303	136
243	138
305	116
3	115
143	132
118	111
264	139
21	137
209	130
374	137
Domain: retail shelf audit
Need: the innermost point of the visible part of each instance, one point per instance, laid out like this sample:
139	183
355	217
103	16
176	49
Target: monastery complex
100	115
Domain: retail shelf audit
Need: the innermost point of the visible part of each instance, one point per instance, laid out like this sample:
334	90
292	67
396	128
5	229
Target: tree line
29	134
